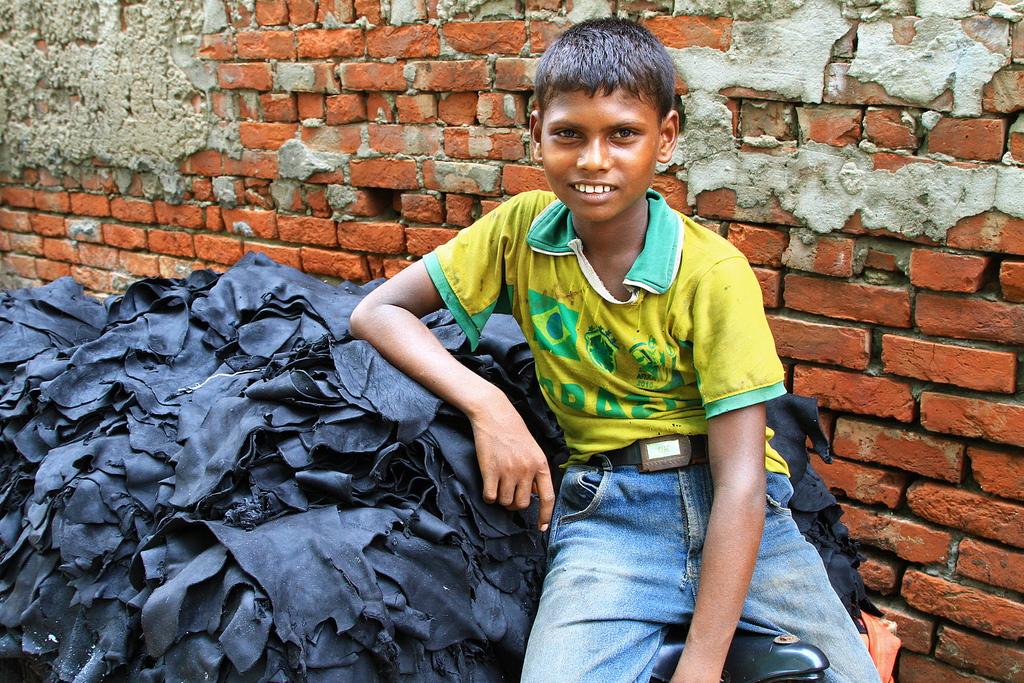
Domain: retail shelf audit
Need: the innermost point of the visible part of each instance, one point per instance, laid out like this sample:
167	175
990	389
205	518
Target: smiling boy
652	349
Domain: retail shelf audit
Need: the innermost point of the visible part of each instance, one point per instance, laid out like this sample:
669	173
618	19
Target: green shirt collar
656	266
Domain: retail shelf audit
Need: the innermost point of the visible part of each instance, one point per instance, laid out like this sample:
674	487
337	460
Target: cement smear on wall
94	78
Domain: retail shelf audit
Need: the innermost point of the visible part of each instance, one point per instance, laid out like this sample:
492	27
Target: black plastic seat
753	658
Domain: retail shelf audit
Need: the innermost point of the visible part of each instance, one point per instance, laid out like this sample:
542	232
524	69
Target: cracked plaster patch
823	186
941	56
105	85
787	56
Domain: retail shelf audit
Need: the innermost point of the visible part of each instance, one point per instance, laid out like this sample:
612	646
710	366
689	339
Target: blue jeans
624	558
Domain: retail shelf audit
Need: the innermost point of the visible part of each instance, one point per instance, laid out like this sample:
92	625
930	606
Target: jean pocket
581	493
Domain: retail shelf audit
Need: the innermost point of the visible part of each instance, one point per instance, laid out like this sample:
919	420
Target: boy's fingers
546	496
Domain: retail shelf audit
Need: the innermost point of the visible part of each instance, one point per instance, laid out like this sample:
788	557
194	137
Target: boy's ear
535	134
669	135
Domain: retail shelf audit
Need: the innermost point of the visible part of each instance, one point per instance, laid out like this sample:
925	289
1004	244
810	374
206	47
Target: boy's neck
614	241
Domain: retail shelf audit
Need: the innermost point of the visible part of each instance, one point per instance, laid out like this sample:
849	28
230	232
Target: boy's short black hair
599	56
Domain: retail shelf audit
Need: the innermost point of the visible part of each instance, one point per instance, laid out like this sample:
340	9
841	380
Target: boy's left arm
736	445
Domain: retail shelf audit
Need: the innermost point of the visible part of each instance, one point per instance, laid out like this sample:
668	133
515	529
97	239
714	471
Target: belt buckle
664	453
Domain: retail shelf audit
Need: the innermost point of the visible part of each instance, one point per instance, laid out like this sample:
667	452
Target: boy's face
599	154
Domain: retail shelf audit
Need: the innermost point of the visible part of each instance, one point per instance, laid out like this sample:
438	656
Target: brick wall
365	140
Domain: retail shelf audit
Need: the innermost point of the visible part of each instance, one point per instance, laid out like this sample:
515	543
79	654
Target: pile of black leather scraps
208	479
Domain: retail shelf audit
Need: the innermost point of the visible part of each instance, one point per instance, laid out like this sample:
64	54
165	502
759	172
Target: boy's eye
625	133
566	134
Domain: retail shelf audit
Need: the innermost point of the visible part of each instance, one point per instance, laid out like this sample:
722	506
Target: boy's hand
512	465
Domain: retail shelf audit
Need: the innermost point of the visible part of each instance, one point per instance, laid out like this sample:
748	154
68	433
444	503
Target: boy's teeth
593	189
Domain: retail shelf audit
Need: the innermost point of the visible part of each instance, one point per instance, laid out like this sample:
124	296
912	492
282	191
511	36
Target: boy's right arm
512	465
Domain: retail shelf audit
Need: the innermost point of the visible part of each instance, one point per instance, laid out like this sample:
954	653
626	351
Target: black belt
662	453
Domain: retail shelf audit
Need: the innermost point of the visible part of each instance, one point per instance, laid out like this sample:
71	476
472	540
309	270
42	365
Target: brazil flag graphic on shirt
554	326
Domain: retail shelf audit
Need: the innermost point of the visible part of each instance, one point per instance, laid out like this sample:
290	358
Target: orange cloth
882	644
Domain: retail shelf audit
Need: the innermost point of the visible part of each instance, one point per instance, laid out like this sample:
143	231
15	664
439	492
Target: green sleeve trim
747	398
470	324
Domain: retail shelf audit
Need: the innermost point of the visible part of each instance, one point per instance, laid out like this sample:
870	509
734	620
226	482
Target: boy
652	348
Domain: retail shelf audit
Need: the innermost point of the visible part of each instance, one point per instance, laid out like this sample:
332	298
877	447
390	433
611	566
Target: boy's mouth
592	189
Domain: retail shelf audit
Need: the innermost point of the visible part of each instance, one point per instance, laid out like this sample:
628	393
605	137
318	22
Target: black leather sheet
208	479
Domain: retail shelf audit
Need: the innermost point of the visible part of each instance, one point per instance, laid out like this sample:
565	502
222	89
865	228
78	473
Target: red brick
402	139
287	256
963	366
991	564
1004	93
416	108
879	572
396	174
880	260
973	417
379	108
422	208
245	75
830	125
266	45
18	196
266	135
97	256
909	539
1015	144
422	241
373	76
674	191
171	243
453	76
946	272
345	139
890	128
367	203
721	204
48	226
878	304
272	12
301	12
89	204
760	245
855	393
311	105
999	472
124	237
1011	280
516	179
919	669
488	205
916	630
990	231
501	109
369	9
15	221
202	190
329	43
336	263
207	162
218	249
511	73
31	245
975	139
379	238
51	270
258	164
307	230
279	107
57	202
964	605
825	254
414	40
928	455
841	88
867	484
543	33
182	215
60	250
459	209
770	282
486	37
394	266
483	143
217	47
970	319
977	514
463	178
17	264
692	31
338	10
993	657
846	346
139	265
458	109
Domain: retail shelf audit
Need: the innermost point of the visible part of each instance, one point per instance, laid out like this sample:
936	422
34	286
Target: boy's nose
594	156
